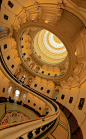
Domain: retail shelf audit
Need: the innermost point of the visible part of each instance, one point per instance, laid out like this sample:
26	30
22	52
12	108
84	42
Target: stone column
13	95
21	96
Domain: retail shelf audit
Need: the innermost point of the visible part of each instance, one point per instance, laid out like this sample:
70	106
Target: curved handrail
42	120
23	122
24	127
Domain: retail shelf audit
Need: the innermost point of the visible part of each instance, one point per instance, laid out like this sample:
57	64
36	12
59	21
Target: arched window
10	90
23	78
3	31
30	81
17	72
24	96
37	69
55	95
17	93
31	65
27	59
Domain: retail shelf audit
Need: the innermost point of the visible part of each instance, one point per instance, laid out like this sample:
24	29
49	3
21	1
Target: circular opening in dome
49	48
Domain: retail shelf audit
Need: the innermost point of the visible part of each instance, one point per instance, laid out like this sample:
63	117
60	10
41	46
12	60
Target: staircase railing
16	130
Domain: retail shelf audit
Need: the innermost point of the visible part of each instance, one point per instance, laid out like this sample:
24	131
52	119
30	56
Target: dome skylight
49	47
53	43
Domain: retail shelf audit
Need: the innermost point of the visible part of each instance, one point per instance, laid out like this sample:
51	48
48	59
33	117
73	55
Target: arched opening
55	94
3	31
24	97
30	81
37	69
17	93
10	90
23	78
17	73
27	59
31	65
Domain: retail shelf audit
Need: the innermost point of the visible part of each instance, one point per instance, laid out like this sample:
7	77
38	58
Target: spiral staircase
43	69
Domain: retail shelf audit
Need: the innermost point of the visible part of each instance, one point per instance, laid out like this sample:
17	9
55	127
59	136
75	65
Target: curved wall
73	107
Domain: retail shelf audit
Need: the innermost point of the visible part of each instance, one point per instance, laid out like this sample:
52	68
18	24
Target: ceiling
41	19
49	48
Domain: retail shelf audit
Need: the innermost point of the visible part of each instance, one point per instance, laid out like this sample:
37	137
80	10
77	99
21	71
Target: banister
29	123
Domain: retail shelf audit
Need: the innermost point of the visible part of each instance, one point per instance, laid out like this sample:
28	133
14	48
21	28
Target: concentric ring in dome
53	43
49	47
